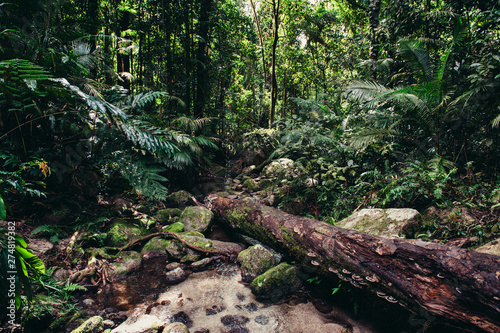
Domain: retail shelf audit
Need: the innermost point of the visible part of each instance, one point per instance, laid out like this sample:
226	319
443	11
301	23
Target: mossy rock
175	227
155	247
393	222
123	232
175	249
265	183
282	167
176	328
193	233
196	218
179	199
198	241
190	258
127	262
91	325
276	283
250	184
148	222
255	261
163	216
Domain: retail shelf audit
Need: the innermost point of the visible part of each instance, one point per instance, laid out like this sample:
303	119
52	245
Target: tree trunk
460	285
274	82
373	14
202	59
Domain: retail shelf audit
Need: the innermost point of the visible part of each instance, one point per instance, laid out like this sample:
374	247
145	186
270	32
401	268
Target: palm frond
150	138
367	91
369	136
192	125
145	98
417	57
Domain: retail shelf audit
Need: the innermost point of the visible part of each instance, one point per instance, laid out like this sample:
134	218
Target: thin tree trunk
274	82
373	14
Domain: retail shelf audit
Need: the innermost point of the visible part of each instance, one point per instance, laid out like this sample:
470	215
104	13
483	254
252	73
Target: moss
92	325
164	215
196	218
156	244
250	184
129	261
190	258
276	282
175	227
122	232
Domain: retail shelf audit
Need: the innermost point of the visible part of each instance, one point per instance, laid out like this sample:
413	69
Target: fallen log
460	285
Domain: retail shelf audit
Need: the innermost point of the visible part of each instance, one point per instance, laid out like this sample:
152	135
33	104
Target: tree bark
460	285
274	82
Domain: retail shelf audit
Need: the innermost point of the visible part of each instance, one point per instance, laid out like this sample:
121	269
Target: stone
227	248
155	247
88	302
175	249
176	328
393	222
91	325
196	218
163	216
40	246
190	258
127	262
255	261
250	184
179	199
175	276
122	232
175	227
276	283
282	168
181	317
145	323
234	321
261	319
173	265
200	264
492	247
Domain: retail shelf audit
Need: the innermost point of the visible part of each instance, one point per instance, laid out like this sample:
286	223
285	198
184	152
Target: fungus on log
460	285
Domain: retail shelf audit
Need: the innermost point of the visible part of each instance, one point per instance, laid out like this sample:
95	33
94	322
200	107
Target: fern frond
192	125
417	57
367	91
366	137
144	98
150	138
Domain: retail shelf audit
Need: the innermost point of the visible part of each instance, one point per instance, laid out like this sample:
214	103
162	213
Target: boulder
40	246
163	216
250	184
175	227
91	325
127	261
179	199
123	232
196	218
142	324
255	261
175	276
393	222
276	283
282	167
175	249
155	247
227	248
176	328
492	247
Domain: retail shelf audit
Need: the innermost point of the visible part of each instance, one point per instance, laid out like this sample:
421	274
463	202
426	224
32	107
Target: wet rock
234	321
127	262
173	265
176	328
181	317
276	283
163	216
261	319
40	246
250	184
155	247
215	309
91	325
122	232
393	222
196	218
141	324
175	276
108	323
200	264
190	258
175	249
202	330
251	307
254	261
179	199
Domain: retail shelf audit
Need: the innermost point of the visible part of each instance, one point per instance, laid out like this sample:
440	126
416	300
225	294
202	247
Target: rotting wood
460	285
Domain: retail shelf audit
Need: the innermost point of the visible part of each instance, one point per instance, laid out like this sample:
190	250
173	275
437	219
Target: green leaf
3	211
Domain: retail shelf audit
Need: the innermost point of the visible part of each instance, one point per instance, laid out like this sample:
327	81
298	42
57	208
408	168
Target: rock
215	309
176	328
173	265
248	169
255	261
198	241
276	283
234	321
142	324
122	232
128	261
492	247
163	216
261	319
250	184
147	222
253	156
175	276
179	199
264	183
88	302
196	218
61	274
181	317
108	323
393	222
200	264
175	227
190	258
121	204
40	246
227	248
175	249
155	247
282	168
91	325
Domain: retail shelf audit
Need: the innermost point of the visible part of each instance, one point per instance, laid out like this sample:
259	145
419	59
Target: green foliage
17	262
